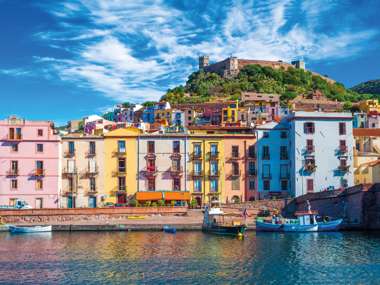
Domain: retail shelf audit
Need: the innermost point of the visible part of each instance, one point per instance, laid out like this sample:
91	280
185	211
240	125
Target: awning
178	196
148	196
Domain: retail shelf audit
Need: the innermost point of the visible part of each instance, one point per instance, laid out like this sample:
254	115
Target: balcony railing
310	166
70	192
119	172
197	173
91	171
310	149
235	173
39	172
120	190
214	173
12	172
15	137
235	156
92	191
344	168
175	155
69	153
251	155
343	149
150	155
150	171
119	153
213	154
176	170
196	156
266	176
251	172
90	154
69	171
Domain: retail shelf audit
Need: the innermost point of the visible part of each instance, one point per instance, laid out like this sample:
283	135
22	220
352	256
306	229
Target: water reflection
191	257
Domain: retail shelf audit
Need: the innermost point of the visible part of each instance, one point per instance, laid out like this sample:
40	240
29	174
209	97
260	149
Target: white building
321	151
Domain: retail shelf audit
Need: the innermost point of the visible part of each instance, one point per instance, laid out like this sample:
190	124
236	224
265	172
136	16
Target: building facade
82	171
29	163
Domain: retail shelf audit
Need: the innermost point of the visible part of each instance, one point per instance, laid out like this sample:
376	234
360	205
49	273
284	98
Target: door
121	199
38	203
70	202
92	202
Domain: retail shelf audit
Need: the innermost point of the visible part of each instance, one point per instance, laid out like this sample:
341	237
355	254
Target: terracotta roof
365	132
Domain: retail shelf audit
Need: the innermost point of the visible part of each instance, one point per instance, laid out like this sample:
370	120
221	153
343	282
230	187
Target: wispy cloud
135	50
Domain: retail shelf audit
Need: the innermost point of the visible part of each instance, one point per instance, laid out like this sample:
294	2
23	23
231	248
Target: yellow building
230	114
206	168
120	164
370	106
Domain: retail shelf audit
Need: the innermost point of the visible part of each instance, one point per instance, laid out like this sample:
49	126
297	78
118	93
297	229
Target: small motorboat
262	226
215	221
32	229
170	230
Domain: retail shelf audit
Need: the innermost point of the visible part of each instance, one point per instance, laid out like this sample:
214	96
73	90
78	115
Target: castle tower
203	61
300	64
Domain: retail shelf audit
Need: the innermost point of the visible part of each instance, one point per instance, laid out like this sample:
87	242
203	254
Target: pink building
29	163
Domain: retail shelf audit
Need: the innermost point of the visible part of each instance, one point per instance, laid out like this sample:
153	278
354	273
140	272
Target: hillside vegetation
369	87
203	87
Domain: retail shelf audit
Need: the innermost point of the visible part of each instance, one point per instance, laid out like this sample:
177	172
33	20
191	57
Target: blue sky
62	60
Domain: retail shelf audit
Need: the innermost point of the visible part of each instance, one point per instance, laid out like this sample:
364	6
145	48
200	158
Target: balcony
176	171
150	171
343	149
213	155
120	190
39	172
119	153
175	155
214	173
235	156
12	172
251	172
235	173
344	168
70	192
196	156
119	172
69	154
90	172
92	192
69	172
197	173
90	154
150	155
251	155
310	166
14	137
266	176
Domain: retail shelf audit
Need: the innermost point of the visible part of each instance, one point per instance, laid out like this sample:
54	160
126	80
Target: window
71	184
251	168
40	147
308	128
310	185
251	185
251	151
15	134
344	183
92	184
176	164
225	115
309	146
121	183
151	148
92	165
214	149
12	202
91	148
39	203
39	184
176	147
40	132
284	185
14	147
266	155
14	166
197	185
11	133
213	185
39	167
121	146
342	129
14	184
235	168
121	164
213	168
283	135
197	150
283	153
176	184
151	184
342	146
343	163
151	165
235	151
71	147
284	171
197	168
266	171
266	135
266	185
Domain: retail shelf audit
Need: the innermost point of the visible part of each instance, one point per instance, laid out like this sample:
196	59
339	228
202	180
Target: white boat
33	229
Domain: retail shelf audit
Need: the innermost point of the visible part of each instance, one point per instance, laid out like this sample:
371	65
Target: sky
62	60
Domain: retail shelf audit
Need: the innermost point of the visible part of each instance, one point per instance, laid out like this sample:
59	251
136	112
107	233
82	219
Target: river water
189	258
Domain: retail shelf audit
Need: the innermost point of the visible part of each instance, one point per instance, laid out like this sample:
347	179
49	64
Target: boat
330	226
215	221
170	229
262	226
33	229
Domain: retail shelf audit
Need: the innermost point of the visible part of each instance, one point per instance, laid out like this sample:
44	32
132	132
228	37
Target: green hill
203	87
369	87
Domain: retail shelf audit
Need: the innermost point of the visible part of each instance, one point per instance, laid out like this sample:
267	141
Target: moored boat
330	226
262	226
215	222
32	229
170	229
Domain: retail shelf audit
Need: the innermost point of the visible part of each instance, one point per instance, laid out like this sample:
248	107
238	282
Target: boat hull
300	228
330	226
268	227
170	230
225	230
36	229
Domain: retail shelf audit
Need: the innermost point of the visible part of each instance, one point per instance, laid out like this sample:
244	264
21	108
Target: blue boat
262	226
33	229
170	230
330	226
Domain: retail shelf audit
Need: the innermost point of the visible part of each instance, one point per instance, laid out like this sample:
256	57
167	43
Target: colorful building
370	106
120	165
230	114
29	163
259	107
82	171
